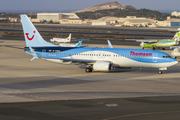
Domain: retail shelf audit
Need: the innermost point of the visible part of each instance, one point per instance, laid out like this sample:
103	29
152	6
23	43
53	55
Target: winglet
33	53
109	44
79	44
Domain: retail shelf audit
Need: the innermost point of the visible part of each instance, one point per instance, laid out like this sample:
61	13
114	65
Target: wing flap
77	60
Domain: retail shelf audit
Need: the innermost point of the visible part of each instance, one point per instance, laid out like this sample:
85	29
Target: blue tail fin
79	44
32	36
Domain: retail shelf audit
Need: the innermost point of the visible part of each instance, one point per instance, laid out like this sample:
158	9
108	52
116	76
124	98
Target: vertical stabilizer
79	44
69	38
109	44
177	35
32	36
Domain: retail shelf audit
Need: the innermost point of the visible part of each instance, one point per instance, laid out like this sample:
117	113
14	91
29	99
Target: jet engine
102	66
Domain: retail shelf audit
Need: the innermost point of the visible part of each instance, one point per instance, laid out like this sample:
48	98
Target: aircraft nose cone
174	62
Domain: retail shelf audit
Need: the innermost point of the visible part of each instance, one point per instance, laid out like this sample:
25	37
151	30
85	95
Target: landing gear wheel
160	72
153	48
88	69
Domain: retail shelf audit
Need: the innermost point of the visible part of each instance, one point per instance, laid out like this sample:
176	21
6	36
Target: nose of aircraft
173	61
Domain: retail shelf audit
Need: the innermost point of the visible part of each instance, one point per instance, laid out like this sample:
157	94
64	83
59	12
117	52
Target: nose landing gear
88	69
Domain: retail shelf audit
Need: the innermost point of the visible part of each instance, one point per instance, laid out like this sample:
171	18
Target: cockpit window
166	56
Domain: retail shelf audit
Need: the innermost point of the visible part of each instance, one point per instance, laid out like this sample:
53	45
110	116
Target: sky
34	6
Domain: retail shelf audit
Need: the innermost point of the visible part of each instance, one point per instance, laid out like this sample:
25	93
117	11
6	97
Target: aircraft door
43	53
155	55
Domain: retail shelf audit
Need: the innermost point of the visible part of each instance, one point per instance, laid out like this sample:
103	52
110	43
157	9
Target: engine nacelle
102	66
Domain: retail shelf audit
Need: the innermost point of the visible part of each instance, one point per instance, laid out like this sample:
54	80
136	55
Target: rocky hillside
108	5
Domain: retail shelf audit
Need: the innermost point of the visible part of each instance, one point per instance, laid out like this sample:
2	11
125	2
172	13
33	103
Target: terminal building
175	13
129	21
57	17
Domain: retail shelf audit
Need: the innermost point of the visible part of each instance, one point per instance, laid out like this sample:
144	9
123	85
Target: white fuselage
63	40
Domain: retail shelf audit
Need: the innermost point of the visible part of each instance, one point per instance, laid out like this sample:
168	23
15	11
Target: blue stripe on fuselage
140	55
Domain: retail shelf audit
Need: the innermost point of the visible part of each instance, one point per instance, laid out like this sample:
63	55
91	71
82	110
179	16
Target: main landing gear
88	69
161	69
153	48
160	72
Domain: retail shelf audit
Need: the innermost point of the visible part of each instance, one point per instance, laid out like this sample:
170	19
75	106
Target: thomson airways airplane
97	59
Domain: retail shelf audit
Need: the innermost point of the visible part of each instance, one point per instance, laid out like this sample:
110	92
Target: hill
108	5
123	13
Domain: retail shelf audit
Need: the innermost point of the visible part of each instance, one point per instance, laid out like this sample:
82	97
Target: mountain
103	6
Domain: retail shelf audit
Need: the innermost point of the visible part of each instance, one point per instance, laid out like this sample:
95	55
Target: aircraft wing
146	40
167	39
77	60
81	61
171	47
163	46
142	40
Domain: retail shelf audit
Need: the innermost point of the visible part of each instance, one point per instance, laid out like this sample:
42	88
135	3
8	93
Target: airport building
56	16
174	22
129	21
175	13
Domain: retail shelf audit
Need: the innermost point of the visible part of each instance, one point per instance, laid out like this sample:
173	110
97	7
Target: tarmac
48	91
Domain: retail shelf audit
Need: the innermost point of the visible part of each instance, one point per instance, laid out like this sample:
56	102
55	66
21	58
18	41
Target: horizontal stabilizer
33	53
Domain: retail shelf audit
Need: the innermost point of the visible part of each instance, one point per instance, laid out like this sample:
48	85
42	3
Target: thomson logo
140	54
27	35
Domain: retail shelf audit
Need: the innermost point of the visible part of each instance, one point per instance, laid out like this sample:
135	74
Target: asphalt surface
85	42
95	31
41	90
143	108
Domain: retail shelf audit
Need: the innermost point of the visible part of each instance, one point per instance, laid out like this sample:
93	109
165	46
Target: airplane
96	59
71	45
164	43
176	52
64	40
